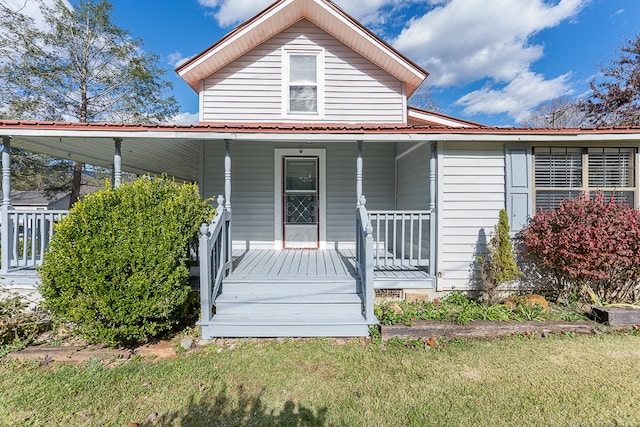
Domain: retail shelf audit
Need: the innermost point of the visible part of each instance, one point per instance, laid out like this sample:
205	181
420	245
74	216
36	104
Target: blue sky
490	61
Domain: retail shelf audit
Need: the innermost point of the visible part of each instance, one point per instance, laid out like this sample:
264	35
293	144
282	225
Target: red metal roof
7	125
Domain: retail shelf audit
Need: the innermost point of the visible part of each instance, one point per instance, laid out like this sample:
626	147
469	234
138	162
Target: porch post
359	174
227	175
433	231
117	163
227	206
6	203
432	177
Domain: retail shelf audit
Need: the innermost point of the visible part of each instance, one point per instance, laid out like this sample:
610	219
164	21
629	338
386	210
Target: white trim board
278	154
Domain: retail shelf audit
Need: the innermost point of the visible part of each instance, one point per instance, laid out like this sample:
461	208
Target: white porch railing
364	260
215	261
402	238
26	235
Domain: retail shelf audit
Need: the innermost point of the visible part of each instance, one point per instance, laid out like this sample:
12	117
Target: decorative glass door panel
300	204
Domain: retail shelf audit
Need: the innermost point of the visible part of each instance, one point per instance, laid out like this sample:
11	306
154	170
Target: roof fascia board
435	119
231	38
481	136
418	73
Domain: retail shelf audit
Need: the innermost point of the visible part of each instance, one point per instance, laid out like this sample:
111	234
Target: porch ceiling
177	157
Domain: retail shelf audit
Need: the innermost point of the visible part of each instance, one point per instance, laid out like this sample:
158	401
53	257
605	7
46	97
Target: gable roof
419	117
284	13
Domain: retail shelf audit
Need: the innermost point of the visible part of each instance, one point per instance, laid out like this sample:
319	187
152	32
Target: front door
300	202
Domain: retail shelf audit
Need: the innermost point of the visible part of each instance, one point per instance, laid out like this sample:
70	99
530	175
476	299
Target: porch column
227	204
227	175
432	177
433	231
6	203
117	163
359	174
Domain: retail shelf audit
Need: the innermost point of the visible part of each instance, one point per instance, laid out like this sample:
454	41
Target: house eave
285	13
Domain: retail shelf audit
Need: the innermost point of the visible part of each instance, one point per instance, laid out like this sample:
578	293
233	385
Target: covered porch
248	275
268	288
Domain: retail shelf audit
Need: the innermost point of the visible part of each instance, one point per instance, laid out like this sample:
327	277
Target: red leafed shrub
588	246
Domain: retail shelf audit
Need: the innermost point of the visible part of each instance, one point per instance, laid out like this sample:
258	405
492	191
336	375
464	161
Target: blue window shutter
518	185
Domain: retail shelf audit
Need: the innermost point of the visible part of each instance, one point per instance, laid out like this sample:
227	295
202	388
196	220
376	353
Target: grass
560	381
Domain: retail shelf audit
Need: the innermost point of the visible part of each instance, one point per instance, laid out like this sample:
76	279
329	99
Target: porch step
302	286
284	305
291	307
269	326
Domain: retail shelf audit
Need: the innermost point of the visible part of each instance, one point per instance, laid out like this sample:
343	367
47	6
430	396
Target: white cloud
460	41
517	98
175	59
184	119
231	12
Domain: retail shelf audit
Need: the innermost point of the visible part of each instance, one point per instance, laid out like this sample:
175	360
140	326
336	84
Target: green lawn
558	381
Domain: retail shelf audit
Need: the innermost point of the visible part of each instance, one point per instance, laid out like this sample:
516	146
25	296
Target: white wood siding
250	88
378	185
471	194
413	179
252	187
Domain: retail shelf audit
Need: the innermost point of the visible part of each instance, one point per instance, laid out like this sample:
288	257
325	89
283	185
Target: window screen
562	173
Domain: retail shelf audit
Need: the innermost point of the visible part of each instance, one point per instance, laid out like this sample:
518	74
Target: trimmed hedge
117	265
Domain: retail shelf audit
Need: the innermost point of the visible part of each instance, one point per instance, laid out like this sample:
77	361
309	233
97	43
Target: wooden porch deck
324	264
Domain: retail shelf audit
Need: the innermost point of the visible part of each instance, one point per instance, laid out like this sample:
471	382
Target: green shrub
498	265
117	265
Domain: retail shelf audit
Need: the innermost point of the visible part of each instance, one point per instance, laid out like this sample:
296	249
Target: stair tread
283	330
282	298
276	320
302	280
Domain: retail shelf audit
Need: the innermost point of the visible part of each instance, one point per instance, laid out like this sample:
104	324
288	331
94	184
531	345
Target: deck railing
402	238
26	235
364	260
215	261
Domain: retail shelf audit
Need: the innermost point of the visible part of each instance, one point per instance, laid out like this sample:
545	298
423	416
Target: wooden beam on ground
481	329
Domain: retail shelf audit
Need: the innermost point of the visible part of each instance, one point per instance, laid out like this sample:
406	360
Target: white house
332	186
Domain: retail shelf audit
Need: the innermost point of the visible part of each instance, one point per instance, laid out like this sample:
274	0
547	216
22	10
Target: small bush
117	265
498	266
587	246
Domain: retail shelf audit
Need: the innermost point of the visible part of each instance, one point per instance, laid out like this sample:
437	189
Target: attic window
303	83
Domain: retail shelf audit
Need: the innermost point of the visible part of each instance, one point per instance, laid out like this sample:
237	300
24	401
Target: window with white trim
303	88
565	172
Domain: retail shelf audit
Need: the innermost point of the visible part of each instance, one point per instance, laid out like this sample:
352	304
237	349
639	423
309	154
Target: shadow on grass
245	410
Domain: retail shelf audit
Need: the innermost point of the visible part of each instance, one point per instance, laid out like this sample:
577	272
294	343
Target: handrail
402	237
214	255
364	260
26	235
